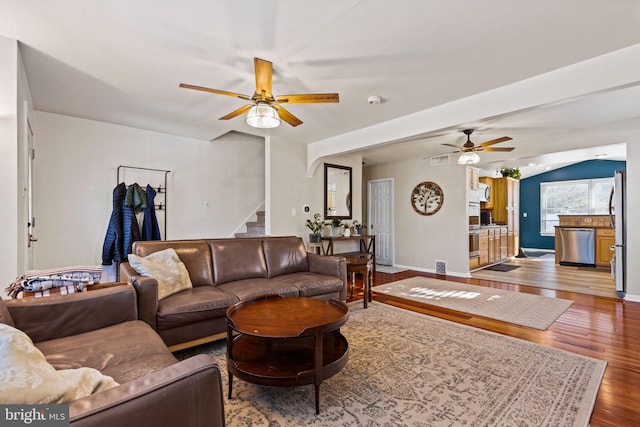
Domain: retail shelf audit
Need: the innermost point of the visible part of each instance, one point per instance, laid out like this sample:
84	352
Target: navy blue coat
150	227
123	229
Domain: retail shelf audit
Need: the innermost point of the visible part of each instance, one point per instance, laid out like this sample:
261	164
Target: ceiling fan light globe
468	158
263	116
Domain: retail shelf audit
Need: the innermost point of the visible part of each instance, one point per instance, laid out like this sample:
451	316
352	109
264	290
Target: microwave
484	191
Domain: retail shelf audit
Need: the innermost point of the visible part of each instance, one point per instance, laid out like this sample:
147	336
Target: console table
367	246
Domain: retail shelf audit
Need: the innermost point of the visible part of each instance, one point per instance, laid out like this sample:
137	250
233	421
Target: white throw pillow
27	378
164	266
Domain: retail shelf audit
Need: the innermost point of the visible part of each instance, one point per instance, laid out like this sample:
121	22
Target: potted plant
357	227
316	225
336	223
511	172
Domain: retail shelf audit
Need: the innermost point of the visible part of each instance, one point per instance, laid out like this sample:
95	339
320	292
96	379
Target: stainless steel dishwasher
577	246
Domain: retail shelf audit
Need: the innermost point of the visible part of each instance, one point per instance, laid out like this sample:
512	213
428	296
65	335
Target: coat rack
160	189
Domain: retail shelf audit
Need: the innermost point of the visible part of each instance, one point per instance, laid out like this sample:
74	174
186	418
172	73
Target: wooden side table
315	248
362	264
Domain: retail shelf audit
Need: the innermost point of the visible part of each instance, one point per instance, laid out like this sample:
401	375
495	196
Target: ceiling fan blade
237	112
309	98
498	149
219	92
287	116
264	76
495	141
459	147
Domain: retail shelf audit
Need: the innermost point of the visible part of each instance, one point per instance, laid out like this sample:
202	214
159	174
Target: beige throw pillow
27	378
164	266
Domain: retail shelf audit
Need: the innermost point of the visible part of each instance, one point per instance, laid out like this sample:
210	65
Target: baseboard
433	271
633	298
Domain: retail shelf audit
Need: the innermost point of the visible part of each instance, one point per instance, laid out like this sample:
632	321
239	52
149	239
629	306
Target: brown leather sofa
225	271
99	329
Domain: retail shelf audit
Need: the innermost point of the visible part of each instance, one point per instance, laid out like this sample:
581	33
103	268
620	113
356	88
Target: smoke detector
374	99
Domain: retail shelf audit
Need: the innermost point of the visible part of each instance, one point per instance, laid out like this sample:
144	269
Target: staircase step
246	235
254	228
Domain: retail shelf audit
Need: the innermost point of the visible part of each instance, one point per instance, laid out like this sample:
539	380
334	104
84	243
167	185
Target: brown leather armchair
99	329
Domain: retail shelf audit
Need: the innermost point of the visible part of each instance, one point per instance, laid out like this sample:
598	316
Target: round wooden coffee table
286	341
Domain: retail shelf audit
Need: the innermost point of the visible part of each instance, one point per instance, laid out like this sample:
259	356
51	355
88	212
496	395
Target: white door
380	218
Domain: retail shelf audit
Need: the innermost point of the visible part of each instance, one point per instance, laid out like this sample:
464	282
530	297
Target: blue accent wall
530	196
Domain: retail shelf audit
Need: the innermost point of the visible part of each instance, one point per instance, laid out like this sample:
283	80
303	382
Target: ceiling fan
469	149
265	110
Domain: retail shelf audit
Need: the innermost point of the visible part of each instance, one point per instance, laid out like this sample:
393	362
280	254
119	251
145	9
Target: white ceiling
120	61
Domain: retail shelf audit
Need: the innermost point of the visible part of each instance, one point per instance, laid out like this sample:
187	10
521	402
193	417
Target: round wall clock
427	198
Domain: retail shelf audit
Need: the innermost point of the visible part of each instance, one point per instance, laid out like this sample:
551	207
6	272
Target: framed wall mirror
337	191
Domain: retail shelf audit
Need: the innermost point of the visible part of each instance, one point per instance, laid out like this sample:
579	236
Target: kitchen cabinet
473	178
472	181
474	262
484	246
506	210
493	245
605	238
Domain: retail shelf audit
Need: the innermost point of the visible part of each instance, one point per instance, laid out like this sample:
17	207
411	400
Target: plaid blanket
37	281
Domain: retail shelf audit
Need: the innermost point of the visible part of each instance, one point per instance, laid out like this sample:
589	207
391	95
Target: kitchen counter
606	227
594	221
604	239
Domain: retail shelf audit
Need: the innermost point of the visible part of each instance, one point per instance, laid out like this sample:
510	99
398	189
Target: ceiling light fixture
468	158
263	116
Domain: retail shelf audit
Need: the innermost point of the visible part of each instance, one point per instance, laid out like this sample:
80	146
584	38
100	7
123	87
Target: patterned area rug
533	311
408	369
388	269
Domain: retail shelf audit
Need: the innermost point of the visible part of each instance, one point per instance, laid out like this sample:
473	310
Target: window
579	197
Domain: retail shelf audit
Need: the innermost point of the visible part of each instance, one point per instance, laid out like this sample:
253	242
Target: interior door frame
391	214
28	195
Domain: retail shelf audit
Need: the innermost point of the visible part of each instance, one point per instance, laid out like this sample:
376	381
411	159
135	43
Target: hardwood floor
601	327
542	271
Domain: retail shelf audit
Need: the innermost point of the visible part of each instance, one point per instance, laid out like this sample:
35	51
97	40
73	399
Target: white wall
9	160
420	240
75	173
289	188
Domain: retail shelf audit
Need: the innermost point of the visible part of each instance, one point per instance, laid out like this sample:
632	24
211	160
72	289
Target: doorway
380	217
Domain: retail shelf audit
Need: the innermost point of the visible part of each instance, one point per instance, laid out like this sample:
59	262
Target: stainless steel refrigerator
617	212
